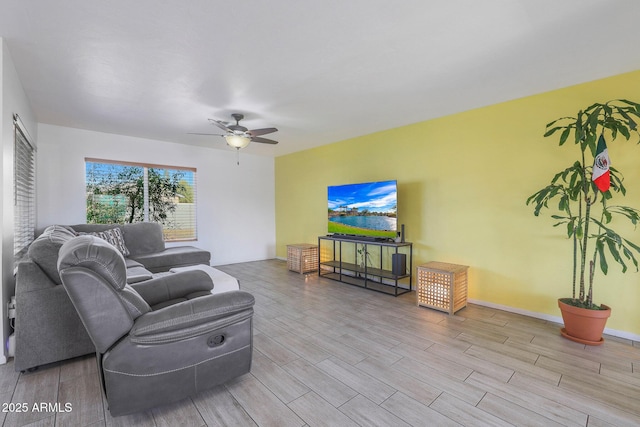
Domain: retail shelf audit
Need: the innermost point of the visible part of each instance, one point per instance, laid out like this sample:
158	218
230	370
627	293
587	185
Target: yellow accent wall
462	185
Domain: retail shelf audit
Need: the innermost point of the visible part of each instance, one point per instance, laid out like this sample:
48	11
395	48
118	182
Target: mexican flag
601	163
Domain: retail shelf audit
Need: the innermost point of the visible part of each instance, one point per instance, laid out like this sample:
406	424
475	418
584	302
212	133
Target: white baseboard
550	318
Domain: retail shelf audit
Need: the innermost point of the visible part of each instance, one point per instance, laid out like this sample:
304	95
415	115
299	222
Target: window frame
146	210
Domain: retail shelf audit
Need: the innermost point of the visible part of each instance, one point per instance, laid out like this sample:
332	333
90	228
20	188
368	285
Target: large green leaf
631	103
571	227
579	230
623	130
630	256
553	130
564	135
602	258
616	179
590	142
633	245
630	122
579	134
613	246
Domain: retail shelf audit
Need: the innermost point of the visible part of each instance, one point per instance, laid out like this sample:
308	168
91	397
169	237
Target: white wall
14	101
235	203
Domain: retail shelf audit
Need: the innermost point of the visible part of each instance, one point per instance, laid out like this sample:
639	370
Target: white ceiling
319	71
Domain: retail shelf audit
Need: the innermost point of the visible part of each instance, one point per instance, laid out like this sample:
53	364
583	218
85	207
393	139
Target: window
119	193
24	190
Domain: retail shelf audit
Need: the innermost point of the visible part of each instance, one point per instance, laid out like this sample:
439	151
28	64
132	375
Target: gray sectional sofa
48	328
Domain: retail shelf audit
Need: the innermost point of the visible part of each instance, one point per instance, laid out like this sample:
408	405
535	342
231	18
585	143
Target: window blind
24	192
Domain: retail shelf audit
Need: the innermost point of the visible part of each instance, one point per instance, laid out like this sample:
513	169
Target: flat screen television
365	209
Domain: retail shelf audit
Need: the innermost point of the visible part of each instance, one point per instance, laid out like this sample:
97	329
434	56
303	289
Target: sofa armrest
192	318
47	326
175	256
30	277
173	286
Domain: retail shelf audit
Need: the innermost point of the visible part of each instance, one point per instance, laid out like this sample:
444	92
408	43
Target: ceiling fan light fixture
237	141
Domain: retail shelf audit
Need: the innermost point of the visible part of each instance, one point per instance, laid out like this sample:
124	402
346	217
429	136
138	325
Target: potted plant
583	197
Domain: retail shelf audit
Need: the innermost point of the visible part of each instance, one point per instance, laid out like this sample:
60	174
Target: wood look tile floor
330	354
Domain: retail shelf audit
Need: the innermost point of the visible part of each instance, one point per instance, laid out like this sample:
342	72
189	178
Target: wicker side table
442	286
302	258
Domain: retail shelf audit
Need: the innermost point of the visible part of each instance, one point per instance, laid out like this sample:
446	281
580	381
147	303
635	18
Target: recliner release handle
215	340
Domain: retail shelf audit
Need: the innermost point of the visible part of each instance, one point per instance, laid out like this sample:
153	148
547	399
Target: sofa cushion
143	237
44	250
139	237
138	274
178	256
115	237
131	263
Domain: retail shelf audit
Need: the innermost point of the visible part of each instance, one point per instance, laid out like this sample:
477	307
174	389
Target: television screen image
365	209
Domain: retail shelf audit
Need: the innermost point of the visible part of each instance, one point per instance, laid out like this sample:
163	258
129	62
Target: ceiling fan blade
197	133
221	125
258	132
263	140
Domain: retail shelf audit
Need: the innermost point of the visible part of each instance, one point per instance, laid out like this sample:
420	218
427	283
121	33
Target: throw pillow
115	237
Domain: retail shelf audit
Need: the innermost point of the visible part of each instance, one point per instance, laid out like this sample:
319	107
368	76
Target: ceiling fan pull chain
238	156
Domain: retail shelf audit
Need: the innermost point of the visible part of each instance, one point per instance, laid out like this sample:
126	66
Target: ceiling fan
238	136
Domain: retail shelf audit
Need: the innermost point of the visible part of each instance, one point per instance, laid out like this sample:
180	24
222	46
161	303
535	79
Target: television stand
381	266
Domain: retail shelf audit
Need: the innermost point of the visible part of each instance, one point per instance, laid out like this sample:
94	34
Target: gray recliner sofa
48	328
148	356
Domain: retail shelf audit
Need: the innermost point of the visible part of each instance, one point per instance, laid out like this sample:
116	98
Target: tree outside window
128	193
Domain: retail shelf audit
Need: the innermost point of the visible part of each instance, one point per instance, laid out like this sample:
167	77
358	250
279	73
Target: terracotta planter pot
583	325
